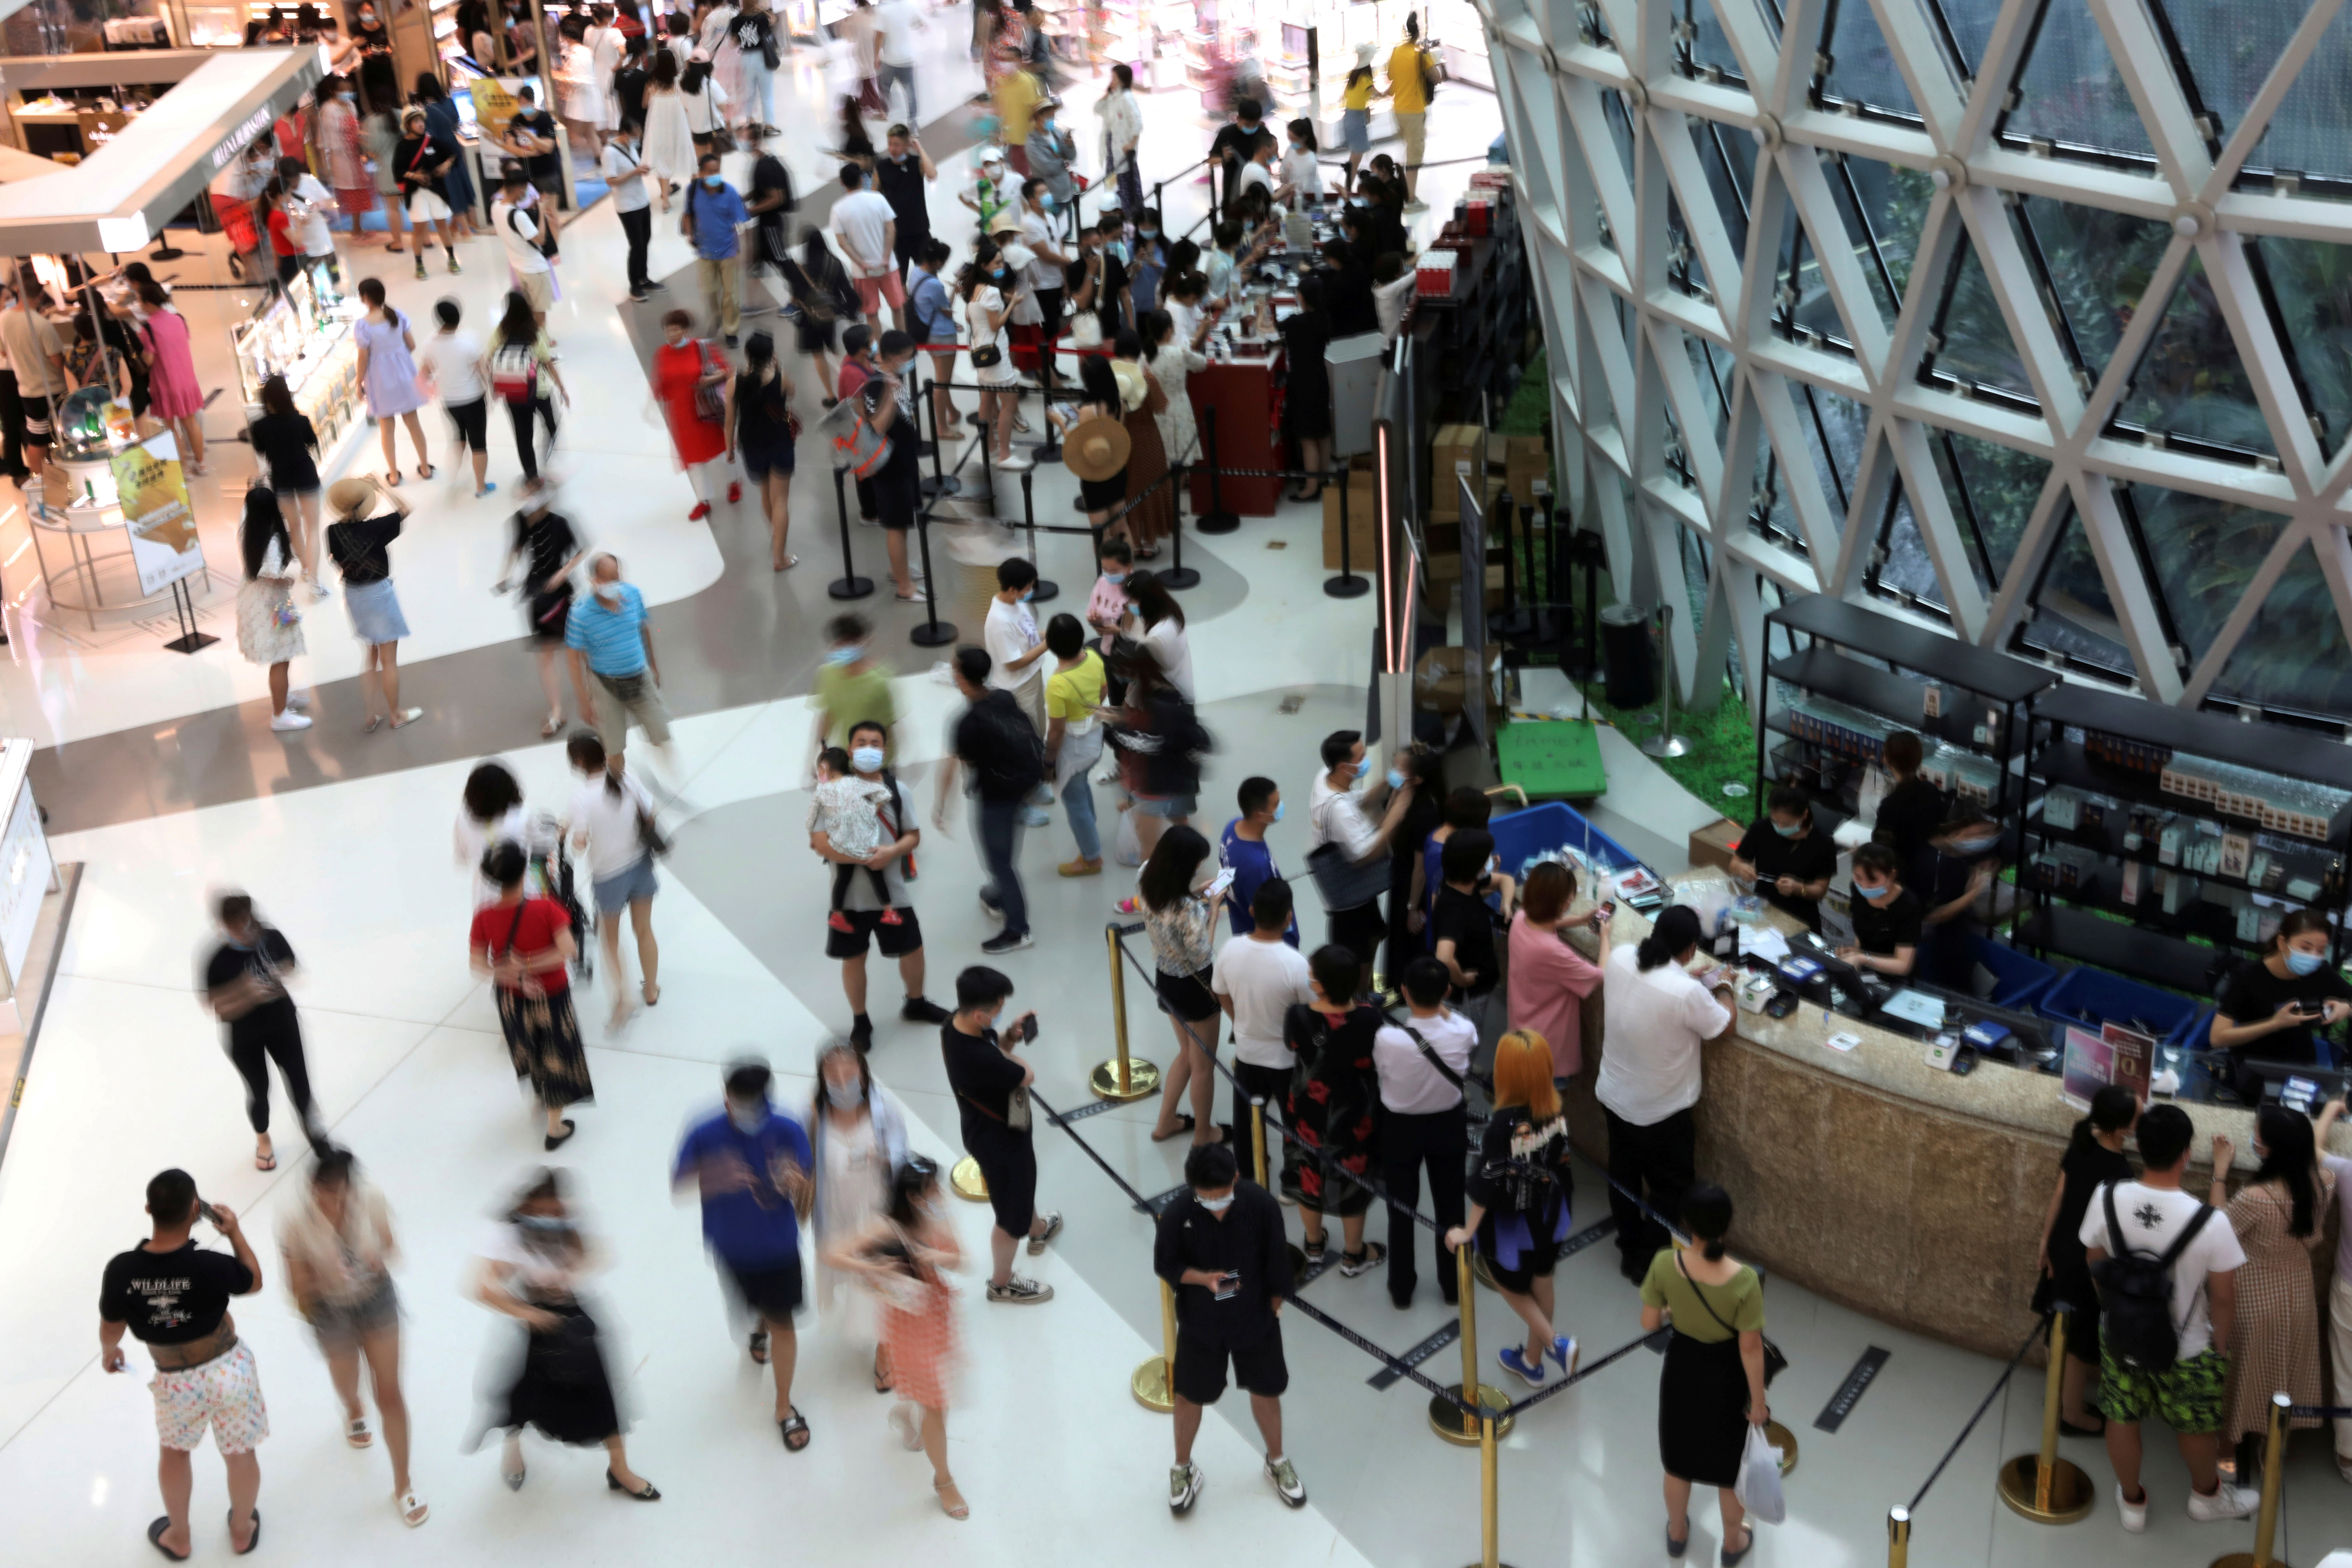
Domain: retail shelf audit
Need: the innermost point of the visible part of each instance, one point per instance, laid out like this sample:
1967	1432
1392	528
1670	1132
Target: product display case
307	339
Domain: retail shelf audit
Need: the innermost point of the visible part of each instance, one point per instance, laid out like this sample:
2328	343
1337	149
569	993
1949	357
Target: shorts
473	422
773	1291
37	421
816	337
1536	1262
539	288
759	462
2187	1395
1008	1160
549	187
225	1395
1415	130
1201	1365
630	697
1104	495
427	207
897	498
1172	807
1188	996
339	1327
897	931
872	293
636	884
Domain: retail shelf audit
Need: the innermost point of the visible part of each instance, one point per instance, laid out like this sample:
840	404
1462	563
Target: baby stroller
558	881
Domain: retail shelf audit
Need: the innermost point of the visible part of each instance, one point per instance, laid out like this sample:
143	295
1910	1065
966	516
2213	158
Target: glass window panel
2192	382
1698	560
1970	22
1712	47
1862	67
2230	50
1711	368
2069	89
2312	281
2072	612
1908	568
1892	204
1977	345
1728	180
1621	129
1770	497
2099	264
2204	553
1998	487
1834	426
2312	132
2294	656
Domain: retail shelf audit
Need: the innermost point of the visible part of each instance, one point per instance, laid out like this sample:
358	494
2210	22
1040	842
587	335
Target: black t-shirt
266	961
1907	819
290	446
170	1298
1465	919
1245	146
550	541
629	87
1247	1240
1521	1169
985	744
1881	928
362	550
2252	994
2086	1166
1347	299
768	177
755	33
901	184
418	159
1811	858
539	123
984	1081
897	489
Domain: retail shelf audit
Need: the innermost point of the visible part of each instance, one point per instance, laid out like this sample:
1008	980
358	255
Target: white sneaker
2132	1514
299	700
1016	461
289	720
2227	1502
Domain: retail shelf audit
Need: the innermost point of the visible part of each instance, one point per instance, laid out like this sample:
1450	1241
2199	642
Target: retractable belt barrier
1898	1519
2266	1517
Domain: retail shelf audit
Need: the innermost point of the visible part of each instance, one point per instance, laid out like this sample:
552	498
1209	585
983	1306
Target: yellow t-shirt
1358	95
1407	95
1073	695
1016	97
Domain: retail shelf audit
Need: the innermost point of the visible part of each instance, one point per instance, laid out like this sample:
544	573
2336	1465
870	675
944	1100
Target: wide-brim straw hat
1095	447
1132	386
353	497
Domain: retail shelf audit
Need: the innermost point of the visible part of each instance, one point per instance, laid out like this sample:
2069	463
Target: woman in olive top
1788	857
1711	1386
1887	914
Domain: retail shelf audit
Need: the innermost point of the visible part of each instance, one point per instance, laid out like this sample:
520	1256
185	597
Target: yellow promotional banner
155	509
494	105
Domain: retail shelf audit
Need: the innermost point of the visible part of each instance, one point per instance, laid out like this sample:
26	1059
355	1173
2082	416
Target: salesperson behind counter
1886	915
1788	858
2268	1006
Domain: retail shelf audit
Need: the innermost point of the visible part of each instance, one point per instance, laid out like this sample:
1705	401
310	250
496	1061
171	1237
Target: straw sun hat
352	498
1095	447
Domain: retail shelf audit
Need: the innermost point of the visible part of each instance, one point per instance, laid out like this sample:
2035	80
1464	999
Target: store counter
1871	1178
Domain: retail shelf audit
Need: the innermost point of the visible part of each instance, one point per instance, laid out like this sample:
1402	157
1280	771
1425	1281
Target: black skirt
1703	1411
563	1389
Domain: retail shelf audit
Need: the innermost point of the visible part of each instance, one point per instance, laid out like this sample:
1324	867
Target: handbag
1346	883
986	355
710	402
1775	1364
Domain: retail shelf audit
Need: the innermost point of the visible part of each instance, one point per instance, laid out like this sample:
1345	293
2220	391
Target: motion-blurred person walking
523	944
609	633
905	1259
245	986
759	422
548	550
858	1136
612	818
752	1164
690	382
997	745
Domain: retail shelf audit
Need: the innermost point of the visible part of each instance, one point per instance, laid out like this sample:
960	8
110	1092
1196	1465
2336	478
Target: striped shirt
612	638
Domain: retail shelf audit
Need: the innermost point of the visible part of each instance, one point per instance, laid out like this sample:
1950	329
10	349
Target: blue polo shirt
613	638
749	1225
1253	867
717	217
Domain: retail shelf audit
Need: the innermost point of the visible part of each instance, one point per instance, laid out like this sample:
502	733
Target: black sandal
1183	1125
795	1425
556	1141
155	1538
759	1346
252	1541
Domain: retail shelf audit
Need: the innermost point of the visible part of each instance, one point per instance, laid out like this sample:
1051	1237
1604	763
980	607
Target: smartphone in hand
1229	1285
208	1213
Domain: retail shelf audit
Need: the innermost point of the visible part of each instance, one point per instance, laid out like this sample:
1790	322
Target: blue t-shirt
749	1223
717	215
612	637
929	309
1252	867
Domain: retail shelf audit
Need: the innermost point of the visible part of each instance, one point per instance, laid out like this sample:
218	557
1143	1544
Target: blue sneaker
1513	1359
1563	1350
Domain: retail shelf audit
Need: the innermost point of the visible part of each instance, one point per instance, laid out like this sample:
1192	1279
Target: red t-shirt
535	933
282	233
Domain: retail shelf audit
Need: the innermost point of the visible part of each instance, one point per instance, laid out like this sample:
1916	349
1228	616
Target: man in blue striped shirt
609	633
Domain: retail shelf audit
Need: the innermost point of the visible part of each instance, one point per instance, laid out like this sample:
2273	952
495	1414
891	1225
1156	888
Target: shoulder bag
1344	884
1775	1364
709	398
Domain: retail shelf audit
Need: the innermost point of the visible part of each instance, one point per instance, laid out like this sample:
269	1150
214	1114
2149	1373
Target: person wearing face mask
883	916
524	945
752	1165
609	633
2269	1007
1299	181
1074	735
1339	815
865	225
715	215
1015	650
904	174
852	686
857	1136
335	135
2279	1217
1965	861
1221	1244
1107	608
992	1090
1236	146
1242	849
1788	857
1180	914
1052	151
1885	914
1046	270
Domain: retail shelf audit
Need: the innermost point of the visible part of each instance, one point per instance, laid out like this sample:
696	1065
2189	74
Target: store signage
494	108
254	124
162	526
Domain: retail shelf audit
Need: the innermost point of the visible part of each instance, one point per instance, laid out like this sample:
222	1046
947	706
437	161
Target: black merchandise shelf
2066	762
2106	842
2137	953
1879	692
2104	892
2289	753
1945	660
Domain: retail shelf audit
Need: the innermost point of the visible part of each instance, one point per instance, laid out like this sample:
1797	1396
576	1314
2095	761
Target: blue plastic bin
1521	833
2112	999
2018	980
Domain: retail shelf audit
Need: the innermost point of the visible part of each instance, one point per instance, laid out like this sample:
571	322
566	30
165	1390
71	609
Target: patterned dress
2274	1344
1152	517
1177	432
1334	1100
919	1334
263	633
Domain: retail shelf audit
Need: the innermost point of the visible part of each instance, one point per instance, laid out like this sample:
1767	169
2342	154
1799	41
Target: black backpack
2136	1293
1014	760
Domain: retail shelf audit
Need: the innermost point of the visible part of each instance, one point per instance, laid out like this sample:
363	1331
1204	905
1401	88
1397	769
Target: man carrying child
859	821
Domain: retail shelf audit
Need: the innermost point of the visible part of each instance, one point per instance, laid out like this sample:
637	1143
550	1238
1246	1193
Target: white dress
575	78
669	140
261	635
851	1190
989	299
1178	431
604	56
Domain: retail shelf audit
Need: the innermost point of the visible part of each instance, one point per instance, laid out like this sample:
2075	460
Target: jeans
904	76
1078	801
524	414
1130	184
722	284
999	831
1662	1155
638	227
1441	1141
760	87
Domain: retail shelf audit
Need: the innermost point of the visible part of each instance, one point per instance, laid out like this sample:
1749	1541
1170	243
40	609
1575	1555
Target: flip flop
155	1539
265	1161
254	1541
356	1433
392	476
759	1346
425	470
795	1425
1183	1126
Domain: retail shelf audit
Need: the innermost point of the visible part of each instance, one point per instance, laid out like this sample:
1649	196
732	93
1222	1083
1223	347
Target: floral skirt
543	1039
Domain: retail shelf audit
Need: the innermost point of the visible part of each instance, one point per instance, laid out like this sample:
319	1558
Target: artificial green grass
1530	410
1722	747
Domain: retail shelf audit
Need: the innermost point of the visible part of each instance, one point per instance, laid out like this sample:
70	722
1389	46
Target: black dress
547	541
1306	402
288	445
2087	1166
561	1385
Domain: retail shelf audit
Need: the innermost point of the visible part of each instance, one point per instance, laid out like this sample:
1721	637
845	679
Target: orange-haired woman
1518	1193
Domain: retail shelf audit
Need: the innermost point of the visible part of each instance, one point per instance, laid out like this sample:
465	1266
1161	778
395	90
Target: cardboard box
1712	844
1441	680
1363	519
1525	460
1445	506
1454	443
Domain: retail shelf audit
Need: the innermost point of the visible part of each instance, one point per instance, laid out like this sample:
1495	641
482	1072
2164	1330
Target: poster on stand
2135	1055
2089	1067
494	106
162	526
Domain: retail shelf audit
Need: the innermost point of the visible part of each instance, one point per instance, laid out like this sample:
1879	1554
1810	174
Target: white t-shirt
1011	631
1336	816
1167	643
705	107
862	218
1042	274
1408	1085
1264	978
455	360
898	21
628	196
1254	174
318	238
520	230
1655	1021
2151	1217
1301	173
609	823
472	840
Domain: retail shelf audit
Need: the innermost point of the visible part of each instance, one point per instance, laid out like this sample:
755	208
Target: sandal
515	1478
373	720
413	1511
882	1384
391	476
795	1426
356	1433
788	563
265	1161
1728	1556
406	717
251	1541
956	1509
1183	1125
155	1538
546	731
425	470
759	1346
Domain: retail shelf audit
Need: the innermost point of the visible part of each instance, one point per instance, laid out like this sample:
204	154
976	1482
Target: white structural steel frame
1600	249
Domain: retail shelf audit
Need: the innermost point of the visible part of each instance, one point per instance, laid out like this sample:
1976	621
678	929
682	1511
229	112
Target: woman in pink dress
174	395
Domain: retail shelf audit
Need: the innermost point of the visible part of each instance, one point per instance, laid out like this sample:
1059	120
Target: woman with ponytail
2094	1157
1711	1386
2274	1341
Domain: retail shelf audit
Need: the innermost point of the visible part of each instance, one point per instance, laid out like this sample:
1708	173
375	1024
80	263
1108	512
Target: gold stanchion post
966	1182
1898	1537
1446	1417
2266	1518
2040	1486
1154	1382
1123	1078
1490	1484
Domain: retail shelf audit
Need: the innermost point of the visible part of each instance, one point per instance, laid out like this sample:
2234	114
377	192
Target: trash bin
1625	656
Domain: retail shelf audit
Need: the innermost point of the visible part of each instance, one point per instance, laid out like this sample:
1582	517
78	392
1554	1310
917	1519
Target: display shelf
1883	692
2107	842
2066	762
2132	951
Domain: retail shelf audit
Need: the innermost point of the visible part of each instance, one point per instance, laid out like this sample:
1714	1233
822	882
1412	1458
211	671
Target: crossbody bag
1429	1054
1775	1364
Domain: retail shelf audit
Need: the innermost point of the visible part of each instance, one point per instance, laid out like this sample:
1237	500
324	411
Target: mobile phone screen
1229	1285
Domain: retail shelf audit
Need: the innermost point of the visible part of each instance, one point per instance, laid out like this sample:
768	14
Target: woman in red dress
683	366
905	1260
523	944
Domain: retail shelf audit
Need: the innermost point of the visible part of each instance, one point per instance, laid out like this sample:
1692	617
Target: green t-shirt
1073	694
846	699
1740	1303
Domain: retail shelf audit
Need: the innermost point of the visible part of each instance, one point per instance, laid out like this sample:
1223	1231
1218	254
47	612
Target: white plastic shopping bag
1759	1488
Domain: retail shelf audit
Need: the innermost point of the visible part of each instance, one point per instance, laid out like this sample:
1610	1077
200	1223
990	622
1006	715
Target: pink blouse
1549	980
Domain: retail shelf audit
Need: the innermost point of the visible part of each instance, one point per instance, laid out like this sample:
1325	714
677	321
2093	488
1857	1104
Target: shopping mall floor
169	787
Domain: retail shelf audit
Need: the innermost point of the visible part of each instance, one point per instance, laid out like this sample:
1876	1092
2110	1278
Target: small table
83	526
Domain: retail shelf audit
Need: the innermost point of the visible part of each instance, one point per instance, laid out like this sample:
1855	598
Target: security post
1154	1382
2040	1486
2266	1518
1447	1418
1123	1078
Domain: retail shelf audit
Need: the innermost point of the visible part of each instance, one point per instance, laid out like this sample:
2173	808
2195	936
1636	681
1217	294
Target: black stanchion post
1346	584
939	484
1177	574
1045	589
849	585
1216	520
926	445
1050	450
988	464
934	632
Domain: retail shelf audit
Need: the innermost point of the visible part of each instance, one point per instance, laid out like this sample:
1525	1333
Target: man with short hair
865	226
752	1165
1045	271
519	230
1221	1244
38	356
1338	814
999	749
245	987
173	1296
1421	1063
1016	652
715	214
770	202
609	633
851	684
896	22
530	136
1236	144
992	1091
633	183
1258	980
864	917
2153	1217
1243	851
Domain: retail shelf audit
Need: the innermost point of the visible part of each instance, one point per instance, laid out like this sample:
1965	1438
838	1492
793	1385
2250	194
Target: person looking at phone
992	1091
2269	1007
173	1296
1221	1244
1787	856
1885	914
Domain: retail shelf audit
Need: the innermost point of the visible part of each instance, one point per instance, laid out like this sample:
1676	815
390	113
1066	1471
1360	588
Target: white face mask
1214	1206
746	1118
609	592
850	1093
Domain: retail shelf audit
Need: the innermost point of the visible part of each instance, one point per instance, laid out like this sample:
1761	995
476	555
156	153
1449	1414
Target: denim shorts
1172	807
616	892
